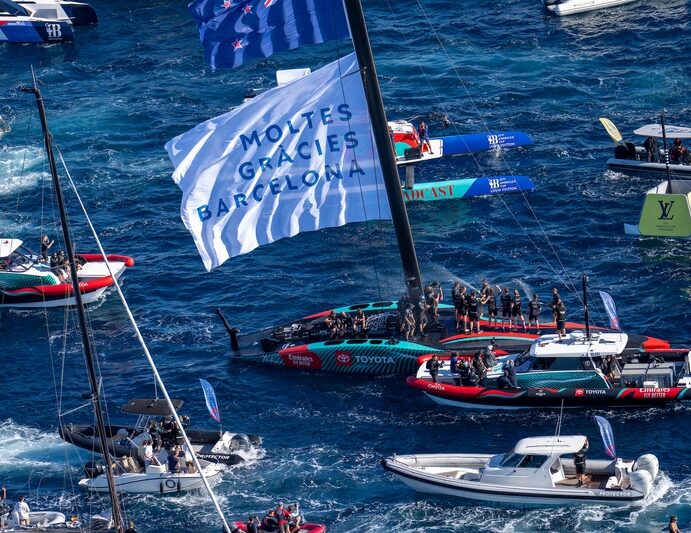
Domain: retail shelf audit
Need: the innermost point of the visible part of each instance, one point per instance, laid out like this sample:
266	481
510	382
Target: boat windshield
19	260
517	460
523	362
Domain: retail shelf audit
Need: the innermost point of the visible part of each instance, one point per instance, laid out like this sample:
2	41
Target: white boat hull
459	475
155	483
571	7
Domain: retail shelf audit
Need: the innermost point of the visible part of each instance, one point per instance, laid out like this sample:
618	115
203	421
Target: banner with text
296	158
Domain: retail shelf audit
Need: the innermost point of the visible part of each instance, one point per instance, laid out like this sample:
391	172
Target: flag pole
392	182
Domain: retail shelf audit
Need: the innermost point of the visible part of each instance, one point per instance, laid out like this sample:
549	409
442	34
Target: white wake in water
27	447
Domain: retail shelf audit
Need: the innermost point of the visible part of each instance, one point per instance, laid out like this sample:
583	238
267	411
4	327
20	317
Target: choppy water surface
138	79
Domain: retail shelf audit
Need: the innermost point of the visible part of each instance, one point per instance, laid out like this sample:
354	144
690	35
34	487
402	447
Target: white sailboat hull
154	483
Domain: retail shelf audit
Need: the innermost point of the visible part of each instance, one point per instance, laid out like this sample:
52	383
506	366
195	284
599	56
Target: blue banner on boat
481	142
210	397
235	32
611	309
607	436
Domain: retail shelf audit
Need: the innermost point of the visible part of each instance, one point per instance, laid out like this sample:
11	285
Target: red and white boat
26	281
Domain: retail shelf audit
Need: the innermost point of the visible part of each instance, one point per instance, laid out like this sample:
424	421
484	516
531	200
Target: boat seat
470	476
156	469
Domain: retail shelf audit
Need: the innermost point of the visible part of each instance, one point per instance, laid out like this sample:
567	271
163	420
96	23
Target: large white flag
296	158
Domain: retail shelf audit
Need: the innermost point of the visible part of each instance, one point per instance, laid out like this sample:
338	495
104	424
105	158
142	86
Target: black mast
375	104
86	339
586	313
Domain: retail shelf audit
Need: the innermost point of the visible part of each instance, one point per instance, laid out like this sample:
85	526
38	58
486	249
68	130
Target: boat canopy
655	130
150	406
7	246
575	344
552	445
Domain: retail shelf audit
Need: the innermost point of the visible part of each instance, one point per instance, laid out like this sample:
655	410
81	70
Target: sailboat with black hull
224	171
107	480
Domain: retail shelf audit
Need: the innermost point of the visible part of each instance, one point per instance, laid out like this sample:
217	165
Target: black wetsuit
492	304
505	304
473	307
433	365
561	316
516	307
533	310
579	461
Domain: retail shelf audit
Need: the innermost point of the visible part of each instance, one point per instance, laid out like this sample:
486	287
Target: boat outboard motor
641	481
93	469
647	463
240	442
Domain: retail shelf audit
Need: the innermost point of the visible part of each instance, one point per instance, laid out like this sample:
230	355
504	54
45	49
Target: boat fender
648	463
178	487
161	487
641	481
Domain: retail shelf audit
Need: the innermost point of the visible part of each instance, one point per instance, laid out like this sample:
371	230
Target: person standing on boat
473	313
23	510
650	145
424	136
579	462
409	323
505	308
534	309
433	365
555	301
561	318
46	243
491	300
421	315
516	311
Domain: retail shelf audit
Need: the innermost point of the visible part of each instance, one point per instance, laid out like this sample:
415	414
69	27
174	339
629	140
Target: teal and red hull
305	343
491	398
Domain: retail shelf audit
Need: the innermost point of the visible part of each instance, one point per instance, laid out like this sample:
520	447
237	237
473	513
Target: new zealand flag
234	32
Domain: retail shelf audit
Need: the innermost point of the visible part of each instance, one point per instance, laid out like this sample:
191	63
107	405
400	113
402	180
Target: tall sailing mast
83	326
392	182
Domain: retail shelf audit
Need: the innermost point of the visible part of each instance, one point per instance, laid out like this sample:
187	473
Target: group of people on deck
472	372
59	265
678	154
341	325
416	319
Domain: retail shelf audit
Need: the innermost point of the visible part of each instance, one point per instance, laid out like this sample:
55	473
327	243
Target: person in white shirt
23	510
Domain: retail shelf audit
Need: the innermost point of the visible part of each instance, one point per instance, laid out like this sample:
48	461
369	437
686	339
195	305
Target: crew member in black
45	244
555	301
505	308
360	324
492	307
456	299
534	309
479	366
503	382
433	365
462	310
561	318
579	462
409	323
345	324
516	311
473	313
421	315
252	525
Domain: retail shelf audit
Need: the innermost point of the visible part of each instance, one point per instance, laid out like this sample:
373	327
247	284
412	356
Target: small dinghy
538	471
270	521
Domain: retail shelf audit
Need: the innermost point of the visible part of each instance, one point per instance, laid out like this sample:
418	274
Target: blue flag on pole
211	403
611	310
607	436
234	32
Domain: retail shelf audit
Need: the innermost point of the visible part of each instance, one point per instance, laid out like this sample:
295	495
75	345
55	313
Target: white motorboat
152	479
571	7
78	13
538	471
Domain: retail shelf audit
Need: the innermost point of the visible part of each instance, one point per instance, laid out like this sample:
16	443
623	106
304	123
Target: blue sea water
136	80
